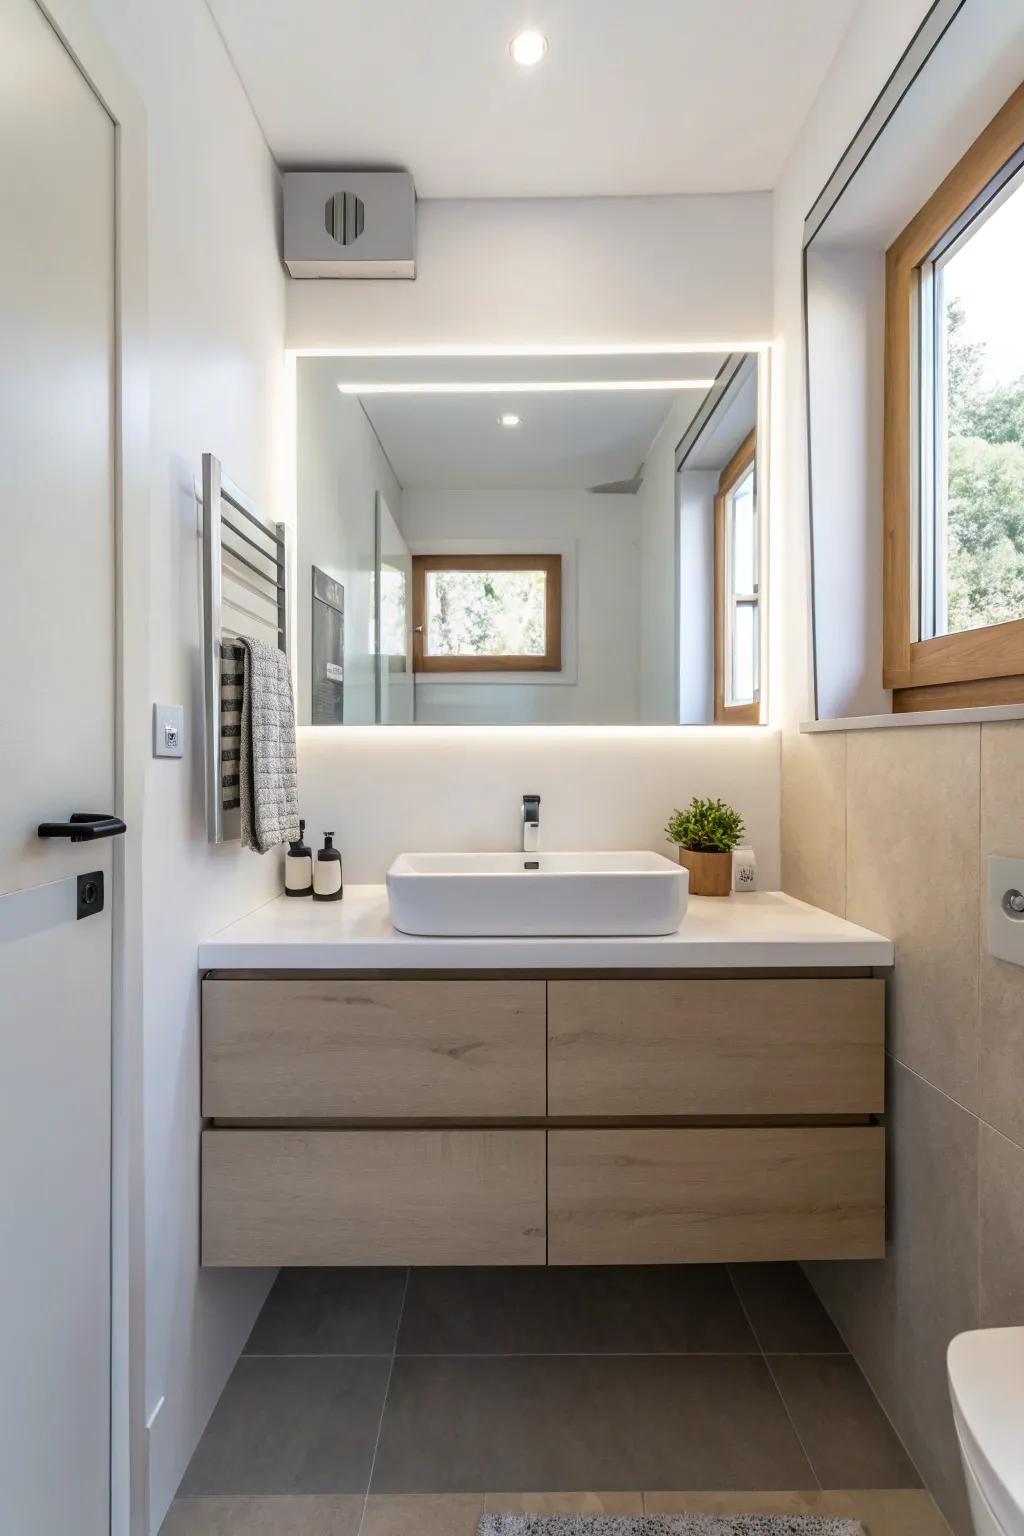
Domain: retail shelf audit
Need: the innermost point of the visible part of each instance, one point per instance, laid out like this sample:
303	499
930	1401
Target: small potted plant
706	833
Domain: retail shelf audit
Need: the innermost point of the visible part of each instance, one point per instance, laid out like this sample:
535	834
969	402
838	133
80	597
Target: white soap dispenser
298	867
327	884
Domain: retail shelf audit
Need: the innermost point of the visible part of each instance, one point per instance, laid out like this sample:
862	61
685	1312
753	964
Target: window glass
977	544
744	537
744	653
486	613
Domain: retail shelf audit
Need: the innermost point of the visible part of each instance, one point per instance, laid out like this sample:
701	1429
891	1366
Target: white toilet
986	1384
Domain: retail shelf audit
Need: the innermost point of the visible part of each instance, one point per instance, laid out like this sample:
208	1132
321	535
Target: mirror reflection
529	540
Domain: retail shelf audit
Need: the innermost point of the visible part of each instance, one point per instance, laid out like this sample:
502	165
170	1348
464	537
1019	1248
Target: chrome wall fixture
245	577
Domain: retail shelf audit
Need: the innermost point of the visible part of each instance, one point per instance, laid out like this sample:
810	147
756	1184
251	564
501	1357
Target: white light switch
1006	909
168	730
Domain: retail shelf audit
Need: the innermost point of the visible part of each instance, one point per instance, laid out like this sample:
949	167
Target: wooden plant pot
710	873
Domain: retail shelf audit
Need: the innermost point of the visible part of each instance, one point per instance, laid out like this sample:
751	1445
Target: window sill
980	715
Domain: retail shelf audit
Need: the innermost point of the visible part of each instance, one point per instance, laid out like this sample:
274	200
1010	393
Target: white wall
643	269
845	324
598	537
216	335
423	788
340	468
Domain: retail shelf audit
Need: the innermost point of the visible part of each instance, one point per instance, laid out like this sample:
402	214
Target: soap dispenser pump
327	884
298	867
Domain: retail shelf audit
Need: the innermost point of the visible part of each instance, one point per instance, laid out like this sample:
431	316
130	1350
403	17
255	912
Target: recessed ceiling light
510	420
528	47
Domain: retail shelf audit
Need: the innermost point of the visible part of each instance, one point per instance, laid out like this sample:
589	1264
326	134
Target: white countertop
762	929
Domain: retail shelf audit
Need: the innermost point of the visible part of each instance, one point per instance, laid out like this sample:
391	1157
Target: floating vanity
705	1096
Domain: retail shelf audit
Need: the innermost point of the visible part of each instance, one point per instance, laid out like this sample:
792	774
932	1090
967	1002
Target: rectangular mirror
557	539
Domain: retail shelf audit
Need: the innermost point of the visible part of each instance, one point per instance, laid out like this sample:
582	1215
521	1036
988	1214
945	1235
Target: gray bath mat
668	1525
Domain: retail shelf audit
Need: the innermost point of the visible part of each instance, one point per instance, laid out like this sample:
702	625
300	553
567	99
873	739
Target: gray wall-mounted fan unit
349	224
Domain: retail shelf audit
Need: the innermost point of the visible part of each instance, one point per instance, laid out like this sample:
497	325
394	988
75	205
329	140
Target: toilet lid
986	1379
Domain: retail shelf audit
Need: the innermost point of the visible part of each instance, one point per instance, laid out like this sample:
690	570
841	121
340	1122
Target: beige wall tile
422	1514
898	1316
814	819
564	1503
283	1515
912	874
1001	1261
1001	1026
899	1512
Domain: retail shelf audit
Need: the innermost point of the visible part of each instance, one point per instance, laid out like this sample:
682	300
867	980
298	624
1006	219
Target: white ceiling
634	96
566	441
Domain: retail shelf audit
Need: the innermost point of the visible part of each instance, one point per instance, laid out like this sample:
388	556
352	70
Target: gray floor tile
330	1312
587	1310
784	1312
291	1426
455	1425
849	1440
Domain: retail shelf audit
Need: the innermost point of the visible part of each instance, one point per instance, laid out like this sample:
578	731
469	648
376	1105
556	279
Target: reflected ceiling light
537	387
538	349
511	420
528	47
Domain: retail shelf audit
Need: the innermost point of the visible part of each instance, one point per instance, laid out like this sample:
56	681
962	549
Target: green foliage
964	361
487	613
706	826
986	532
985	504
998	416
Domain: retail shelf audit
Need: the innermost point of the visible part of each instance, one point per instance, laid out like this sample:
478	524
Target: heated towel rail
245	579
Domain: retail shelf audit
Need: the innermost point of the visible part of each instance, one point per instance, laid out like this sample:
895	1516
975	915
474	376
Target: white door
57	665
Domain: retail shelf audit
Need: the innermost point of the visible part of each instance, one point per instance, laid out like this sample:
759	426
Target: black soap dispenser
327	884
298	867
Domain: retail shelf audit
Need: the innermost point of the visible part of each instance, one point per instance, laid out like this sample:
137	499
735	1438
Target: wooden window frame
550	661
738	466
979	666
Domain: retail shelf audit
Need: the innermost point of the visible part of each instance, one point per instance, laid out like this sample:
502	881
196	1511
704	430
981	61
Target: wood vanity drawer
329	1049
282	1197
715	1195
773	1046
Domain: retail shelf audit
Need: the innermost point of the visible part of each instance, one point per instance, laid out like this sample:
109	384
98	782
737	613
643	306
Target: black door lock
90	894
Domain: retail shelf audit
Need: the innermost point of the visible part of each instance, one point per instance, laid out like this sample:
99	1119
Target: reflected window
478	613
737	583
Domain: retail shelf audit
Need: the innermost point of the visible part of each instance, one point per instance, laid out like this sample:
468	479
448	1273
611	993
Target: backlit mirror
568	539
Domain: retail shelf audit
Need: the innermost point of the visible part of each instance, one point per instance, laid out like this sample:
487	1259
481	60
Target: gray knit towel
268	767
667	1525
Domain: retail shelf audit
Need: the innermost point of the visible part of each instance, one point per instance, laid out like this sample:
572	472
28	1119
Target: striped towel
267	766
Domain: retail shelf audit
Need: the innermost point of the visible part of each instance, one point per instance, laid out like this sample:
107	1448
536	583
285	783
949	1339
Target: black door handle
84	827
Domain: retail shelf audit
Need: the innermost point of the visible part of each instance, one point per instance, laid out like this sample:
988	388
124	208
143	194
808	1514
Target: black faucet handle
531	807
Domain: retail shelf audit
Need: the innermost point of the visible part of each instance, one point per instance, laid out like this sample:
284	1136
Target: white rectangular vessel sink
536	895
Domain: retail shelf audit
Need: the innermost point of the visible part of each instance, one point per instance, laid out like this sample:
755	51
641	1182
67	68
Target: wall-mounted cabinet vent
344	217
349	224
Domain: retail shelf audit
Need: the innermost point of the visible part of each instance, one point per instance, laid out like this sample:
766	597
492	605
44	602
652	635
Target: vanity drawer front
332	1049
715	1195
282	1197
772	1046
